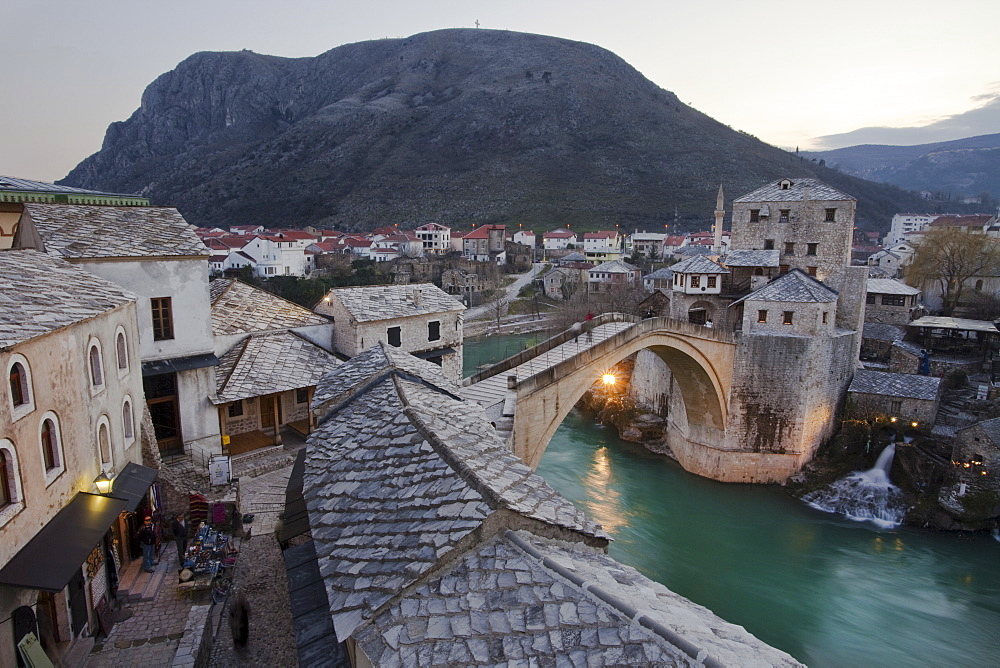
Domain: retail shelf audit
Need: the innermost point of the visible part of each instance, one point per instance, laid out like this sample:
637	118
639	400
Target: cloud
984	119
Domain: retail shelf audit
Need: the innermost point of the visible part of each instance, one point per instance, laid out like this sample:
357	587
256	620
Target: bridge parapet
545	346
640	329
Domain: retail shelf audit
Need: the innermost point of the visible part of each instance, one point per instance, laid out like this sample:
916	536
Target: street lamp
608	379
103	483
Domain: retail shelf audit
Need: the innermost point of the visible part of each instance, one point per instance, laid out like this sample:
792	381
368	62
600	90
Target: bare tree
950	257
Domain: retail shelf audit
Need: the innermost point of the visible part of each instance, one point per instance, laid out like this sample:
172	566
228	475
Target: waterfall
864	495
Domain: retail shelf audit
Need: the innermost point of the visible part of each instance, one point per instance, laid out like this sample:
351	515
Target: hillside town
186	455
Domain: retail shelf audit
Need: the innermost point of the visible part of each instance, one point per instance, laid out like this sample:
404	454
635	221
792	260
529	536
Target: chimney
417	296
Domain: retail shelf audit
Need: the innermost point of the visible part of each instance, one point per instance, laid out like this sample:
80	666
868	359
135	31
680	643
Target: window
831	216
11	501
811	271
762	315
20	387
236	409
768	244
696	281
811	249
754	215
825	315
6	490
712	280
104	442
786	317
869	298
163	322
96	372
394	337
128	421
302	395
896	406
50	444
783	268
783	215
433	330
121	351
893	300
979	285
789	248
786	184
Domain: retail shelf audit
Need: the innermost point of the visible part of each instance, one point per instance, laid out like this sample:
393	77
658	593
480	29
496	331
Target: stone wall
922	411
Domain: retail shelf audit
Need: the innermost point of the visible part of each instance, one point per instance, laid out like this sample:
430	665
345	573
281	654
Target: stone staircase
137	585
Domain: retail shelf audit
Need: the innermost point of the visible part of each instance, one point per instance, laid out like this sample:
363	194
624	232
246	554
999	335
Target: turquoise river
829	591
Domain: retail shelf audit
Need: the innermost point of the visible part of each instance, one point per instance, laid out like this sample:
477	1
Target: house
904	223
656	305
14	193
891	302
559	240
693	280
420	319
661	278
485	244
72	408
275	255
435	239
247	230
561	282
155	254
525	238
610	275
602	246
902	397
975	457
415	537
794	304
272	353
977	223
645	244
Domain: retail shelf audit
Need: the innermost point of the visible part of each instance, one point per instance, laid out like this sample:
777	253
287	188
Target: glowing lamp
609	379
892	419
913	424
103	483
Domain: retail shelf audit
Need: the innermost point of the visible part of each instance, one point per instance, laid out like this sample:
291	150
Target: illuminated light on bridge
609	379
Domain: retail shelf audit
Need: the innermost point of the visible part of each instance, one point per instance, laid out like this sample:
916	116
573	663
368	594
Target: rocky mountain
961	168
454	126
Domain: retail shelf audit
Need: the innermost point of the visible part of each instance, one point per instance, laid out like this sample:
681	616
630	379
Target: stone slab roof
687	251
661	274
882	332
991	428
772	192
794	286
890	286
41	294
573	257
615	267
269	363
80	231
238	308
751	258
12	184
698	264
905	385
399	472
959	324
388	302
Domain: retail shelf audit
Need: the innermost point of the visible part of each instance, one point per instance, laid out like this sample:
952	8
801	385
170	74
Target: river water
827	590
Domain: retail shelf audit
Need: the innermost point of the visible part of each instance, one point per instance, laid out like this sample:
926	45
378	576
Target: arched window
121	351
128	423
96	372
104	442
979	285
11	499
22	400
50	456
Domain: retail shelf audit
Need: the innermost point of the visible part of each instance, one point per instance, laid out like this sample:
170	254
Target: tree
950	257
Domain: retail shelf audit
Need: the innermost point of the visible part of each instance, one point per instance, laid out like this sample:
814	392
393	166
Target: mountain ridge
456	126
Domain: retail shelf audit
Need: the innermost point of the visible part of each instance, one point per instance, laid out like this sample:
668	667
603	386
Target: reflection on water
603	500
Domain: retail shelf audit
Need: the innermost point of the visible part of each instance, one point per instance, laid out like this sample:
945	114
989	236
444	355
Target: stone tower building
787	292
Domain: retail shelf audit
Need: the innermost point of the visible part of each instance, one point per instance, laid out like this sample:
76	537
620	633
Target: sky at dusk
785	72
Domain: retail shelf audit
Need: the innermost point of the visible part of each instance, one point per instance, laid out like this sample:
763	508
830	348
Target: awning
133	483
58	550
176	364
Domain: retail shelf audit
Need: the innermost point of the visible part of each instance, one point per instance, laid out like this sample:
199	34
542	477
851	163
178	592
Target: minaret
720	213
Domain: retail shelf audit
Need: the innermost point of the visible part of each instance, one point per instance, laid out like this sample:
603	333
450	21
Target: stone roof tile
238	308
269	363
890	286
388	302
794	286
772	192
698	264
751	258
41	294
81	231
905	385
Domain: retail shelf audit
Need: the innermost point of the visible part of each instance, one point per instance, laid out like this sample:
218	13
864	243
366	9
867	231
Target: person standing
147	541
179	531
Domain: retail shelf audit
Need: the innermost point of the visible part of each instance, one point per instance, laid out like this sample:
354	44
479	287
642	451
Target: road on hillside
484	310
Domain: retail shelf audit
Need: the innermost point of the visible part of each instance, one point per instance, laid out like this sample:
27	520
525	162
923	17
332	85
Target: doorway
161	397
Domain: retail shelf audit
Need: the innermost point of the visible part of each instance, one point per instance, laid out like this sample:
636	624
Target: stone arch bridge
530	394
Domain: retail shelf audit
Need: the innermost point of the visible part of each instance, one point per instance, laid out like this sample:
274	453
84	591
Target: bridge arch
700	359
